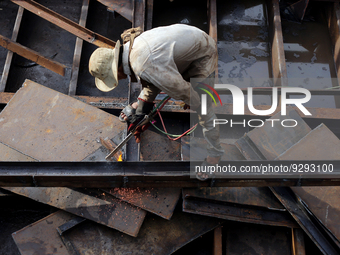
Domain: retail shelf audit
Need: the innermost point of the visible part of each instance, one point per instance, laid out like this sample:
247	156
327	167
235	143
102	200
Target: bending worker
163	59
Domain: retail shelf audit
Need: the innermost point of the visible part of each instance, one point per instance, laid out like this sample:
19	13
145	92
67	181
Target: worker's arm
167	78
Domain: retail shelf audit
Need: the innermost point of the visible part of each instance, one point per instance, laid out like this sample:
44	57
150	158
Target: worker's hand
139	130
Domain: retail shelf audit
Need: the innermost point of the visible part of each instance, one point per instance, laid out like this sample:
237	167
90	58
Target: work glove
144	108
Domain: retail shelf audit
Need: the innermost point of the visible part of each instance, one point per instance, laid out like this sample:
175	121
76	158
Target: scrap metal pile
53	114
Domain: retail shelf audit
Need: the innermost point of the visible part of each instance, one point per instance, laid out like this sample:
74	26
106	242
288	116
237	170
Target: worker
163	59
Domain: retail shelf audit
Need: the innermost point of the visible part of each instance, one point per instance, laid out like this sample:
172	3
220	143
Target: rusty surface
272	142
161	202
123	7
279	69
323	202
64	23
157	147
9	154
92	205
195	148
240	213
298	242
50	126
296	209
149	14
251	196
251	239
78	50
157	236
9	57
218	246
138	15
32	55
41	237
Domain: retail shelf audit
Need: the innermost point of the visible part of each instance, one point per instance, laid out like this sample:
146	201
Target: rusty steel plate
9	154
252	196
254	239
50	126
273	141
157	236
229	211
90	204
323	202
41	237
156	147
195	148
160	201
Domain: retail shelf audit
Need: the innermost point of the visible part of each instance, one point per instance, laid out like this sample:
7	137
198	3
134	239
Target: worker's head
103	65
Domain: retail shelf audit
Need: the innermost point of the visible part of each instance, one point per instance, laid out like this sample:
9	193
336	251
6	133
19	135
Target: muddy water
309	59
243	45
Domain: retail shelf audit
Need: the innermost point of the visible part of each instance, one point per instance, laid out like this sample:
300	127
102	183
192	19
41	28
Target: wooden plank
32	55
64	23
9	57
212	19
279	69
217	241
78	50
298	242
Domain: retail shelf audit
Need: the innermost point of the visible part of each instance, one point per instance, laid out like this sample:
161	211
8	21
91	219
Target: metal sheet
161	201
157	236
229	211
272	142
323	202
252	239
94	206
156	147
41	237
196	148
9	154
251	196
50	126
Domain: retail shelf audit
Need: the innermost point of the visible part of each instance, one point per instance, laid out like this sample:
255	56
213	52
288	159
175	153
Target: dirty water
309	59
243	45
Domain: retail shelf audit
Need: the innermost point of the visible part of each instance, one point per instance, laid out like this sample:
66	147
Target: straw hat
103	65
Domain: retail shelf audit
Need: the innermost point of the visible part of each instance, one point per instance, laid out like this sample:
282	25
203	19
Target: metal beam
149	14
10	53
155	174
64	23
32	55
78	50
294	207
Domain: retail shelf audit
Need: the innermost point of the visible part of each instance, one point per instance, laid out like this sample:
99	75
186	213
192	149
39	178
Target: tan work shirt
167	57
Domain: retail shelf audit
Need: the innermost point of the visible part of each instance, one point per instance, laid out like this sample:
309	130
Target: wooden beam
279	69
298	242
9	57
64	23
78	50
32	55
217	241
212	19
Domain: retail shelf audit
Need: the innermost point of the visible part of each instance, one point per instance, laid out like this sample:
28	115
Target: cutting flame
120	157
